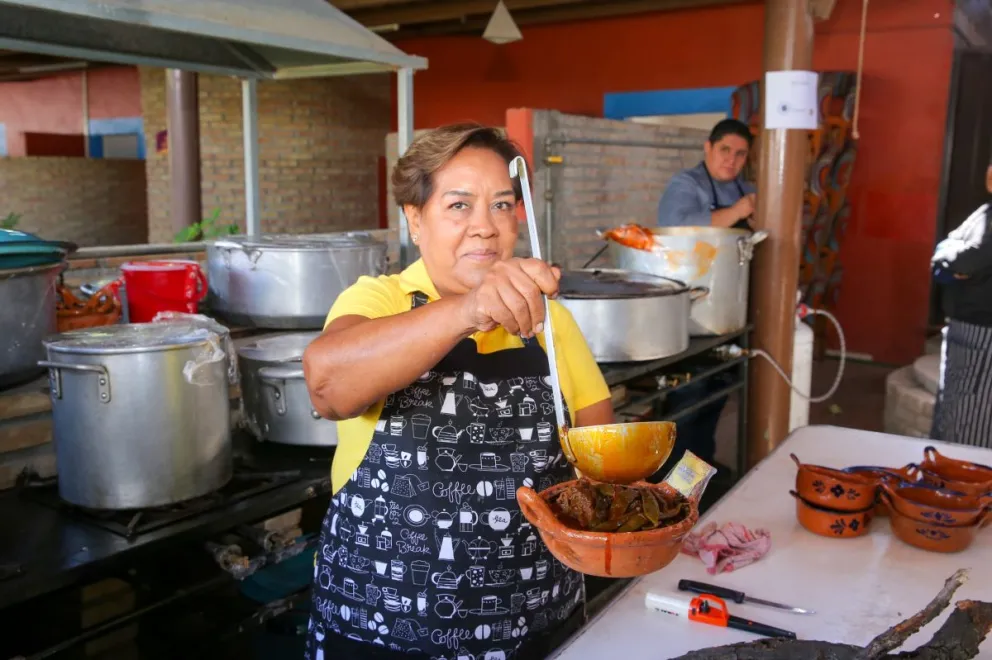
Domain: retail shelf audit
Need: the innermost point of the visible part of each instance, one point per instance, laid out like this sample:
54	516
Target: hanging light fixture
501	28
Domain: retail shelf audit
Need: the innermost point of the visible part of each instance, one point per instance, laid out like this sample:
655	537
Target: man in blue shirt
713	192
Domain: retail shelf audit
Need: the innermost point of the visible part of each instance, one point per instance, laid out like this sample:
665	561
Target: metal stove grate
131	524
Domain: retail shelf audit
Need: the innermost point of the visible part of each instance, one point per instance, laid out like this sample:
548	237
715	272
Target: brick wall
617	179
320	144
89	202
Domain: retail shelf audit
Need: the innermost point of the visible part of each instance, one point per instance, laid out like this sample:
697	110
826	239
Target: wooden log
958	639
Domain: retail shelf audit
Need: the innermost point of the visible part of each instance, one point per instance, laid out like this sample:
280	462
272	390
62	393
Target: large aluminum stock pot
627	316
287	281
712	257
141	414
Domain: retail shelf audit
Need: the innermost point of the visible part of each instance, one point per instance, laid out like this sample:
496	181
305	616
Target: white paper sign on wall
791	100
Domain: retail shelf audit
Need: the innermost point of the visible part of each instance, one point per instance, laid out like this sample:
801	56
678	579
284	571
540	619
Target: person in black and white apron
962	265
711	194
441	383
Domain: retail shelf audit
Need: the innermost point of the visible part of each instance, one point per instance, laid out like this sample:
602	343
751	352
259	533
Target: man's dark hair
726	127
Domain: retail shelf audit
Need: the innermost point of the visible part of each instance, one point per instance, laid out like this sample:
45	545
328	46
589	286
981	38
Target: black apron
963	409
425	551
715	205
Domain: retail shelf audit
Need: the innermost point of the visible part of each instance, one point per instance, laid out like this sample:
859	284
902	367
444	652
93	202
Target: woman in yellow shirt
439	380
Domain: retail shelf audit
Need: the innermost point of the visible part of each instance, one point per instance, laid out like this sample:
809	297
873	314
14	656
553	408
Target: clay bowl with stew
934	536
904	475
834	489
605	554
831	523
619	453
931	504
963	476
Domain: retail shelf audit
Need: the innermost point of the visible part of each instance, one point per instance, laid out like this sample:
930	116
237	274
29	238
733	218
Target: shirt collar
415	278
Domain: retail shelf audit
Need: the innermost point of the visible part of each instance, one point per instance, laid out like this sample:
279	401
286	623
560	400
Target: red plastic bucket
162	286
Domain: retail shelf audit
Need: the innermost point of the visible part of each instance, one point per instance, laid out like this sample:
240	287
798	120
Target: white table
858	587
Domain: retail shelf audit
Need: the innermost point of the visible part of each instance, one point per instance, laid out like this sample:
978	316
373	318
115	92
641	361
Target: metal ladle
616	453
518	169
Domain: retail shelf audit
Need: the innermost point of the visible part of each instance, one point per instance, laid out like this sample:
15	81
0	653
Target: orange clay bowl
909	474
953	474
606	554
831	523
933	536
931	504
834	489
619	453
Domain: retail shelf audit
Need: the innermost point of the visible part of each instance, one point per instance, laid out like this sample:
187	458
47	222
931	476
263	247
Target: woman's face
469	223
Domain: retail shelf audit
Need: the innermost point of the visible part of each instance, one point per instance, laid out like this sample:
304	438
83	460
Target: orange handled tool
712	610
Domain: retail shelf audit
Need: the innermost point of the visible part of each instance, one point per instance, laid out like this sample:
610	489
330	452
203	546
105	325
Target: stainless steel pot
286	281
712	257
276	401
627	316
27	316
141	414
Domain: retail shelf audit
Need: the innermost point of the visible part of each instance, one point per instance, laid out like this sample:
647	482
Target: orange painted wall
908	54
55	104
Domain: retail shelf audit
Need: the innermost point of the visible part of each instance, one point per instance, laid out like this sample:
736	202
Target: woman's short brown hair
413	176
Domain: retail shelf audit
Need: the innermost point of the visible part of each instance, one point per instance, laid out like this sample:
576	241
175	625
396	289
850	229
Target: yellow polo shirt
582	382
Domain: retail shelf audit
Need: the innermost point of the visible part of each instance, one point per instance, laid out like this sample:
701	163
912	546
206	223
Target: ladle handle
518	169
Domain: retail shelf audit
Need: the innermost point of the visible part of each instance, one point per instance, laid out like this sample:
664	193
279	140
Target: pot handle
697	293
536	510
55	377
885	499
745	245
281	372
275	378
985	517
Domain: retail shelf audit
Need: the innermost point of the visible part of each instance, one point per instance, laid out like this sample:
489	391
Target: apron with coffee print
425	548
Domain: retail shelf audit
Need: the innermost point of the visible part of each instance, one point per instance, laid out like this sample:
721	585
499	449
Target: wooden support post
183	109
775	276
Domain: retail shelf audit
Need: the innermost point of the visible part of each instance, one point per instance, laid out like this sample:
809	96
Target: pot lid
193	320
599	283
287	347
129	338
19	249
335	241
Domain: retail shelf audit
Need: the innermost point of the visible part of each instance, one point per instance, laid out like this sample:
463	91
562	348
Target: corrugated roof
247	38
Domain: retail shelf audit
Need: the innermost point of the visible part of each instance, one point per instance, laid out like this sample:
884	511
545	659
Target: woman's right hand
510	295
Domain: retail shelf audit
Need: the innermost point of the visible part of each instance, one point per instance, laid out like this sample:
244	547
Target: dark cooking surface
608	283
45	546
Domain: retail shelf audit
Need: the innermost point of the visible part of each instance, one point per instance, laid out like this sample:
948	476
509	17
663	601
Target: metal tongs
518	169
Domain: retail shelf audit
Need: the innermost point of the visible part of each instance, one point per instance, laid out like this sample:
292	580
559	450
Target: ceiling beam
560	14
449	10
349	5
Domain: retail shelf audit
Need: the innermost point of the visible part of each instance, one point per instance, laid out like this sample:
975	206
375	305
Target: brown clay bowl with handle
934	536
606	554
832	523
909	474
954	474
936	505
834	489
